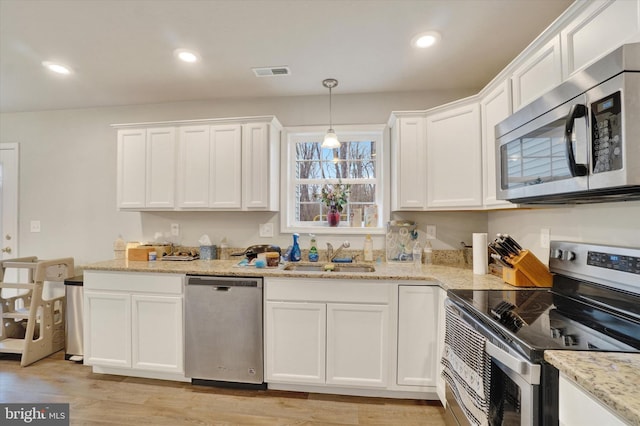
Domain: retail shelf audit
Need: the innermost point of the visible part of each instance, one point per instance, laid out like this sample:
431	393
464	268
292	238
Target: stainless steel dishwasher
223	327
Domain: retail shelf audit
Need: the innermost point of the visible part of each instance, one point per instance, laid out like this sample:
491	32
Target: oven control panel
614	261
607	134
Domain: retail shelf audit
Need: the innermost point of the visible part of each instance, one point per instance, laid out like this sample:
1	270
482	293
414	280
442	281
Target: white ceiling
121	51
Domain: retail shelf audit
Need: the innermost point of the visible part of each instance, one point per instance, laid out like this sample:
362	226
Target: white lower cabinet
327	332
295	346
417	335
357	344
577	407
133	323
352	337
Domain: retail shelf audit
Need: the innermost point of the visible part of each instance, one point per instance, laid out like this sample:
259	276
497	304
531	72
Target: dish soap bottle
313	250
368	249
295	250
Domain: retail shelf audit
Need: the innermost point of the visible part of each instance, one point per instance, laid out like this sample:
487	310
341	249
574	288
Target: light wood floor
98	399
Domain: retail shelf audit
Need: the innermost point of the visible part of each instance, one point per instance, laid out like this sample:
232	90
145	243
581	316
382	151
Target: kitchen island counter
447	277
610	377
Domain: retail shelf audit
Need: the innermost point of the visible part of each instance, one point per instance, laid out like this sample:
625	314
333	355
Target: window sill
343	229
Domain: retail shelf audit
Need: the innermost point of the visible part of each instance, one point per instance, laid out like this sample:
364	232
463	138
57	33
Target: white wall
607	223
68	169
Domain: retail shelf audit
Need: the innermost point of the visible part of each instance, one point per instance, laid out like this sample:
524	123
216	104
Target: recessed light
57	68
187	55
424	40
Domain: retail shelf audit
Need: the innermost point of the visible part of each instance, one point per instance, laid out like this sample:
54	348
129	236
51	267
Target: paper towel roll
480	257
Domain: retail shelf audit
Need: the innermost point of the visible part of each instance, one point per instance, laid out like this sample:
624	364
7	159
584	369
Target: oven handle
519	366
576	111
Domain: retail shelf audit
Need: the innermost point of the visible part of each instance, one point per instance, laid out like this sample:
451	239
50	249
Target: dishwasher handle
224	283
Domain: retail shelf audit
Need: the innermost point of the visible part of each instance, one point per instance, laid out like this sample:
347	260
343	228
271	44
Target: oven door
546	156
515	381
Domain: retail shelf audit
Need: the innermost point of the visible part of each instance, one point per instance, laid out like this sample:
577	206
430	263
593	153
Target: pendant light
330	139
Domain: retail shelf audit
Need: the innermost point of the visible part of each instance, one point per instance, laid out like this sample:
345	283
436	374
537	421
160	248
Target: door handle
576	111
7	250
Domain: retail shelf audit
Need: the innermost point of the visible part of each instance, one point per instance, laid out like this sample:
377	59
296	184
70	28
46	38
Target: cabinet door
193	181
131	168
225	190
357	344
295	335
600	28
408	163
541	72
256	166
495	107
440	382
157	333
454	158
107	329
576	407
160	168
417	335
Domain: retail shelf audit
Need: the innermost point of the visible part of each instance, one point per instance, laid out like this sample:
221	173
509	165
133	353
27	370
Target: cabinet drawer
327	290
133	282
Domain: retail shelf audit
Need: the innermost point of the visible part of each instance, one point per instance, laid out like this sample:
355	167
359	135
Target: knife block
527	271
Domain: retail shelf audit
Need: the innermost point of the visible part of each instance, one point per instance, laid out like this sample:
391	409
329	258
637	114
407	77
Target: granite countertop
447	277
611	377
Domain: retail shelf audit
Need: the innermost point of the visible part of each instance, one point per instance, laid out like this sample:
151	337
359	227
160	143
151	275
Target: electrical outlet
175	229
266	229
544	238
431	232
35	226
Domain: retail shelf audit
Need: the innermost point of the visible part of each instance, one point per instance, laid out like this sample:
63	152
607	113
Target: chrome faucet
331	254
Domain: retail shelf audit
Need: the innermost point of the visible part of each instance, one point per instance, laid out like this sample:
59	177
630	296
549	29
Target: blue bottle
295	250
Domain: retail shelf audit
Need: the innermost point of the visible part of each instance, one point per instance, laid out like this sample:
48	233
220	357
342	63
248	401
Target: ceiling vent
271	71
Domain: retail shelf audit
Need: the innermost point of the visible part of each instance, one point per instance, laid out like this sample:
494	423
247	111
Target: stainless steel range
594	305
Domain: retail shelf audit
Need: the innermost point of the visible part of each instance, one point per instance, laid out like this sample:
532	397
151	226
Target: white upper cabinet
408	161
495	106
194	167
540	72
146	168
225	167
261	166
219	164
454	157
603	26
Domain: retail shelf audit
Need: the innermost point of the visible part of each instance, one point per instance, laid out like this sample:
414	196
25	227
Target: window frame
291	135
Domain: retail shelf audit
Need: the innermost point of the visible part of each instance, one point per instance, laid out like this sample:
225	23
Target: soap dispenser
295	250
368	249
313	250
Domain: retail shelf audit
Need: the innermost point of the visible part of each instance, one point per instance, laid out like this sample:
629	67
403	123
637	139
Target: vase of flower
333	216
335	196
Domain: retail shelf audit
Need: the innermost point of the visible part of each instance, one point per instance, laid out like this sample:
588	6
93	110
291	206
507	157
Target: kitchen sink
329	267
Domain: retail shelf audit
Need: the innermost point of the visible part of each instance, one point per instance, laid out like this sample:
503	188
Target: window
357	163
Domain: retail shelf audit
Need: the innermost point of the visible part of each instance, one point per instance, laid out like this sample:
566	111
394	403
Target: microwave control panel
606	128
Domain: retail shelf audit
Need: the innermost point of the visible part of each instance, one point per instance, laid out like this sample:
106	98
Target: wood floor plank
101	399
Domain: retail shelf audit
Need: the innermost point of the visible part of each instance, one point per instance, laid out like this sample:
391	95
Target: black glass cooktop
573	315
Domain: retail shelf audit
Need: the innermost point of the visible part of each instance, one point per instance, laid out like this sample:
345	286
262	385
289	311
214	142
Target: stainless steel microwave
580	142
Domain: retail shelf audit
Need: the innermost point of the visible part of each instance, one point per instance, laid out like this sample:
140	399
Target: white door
225	190
255	166
417	335
357	344
107	329
193	166
9	199
295	336
131	168
157	333
160	167
454	158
